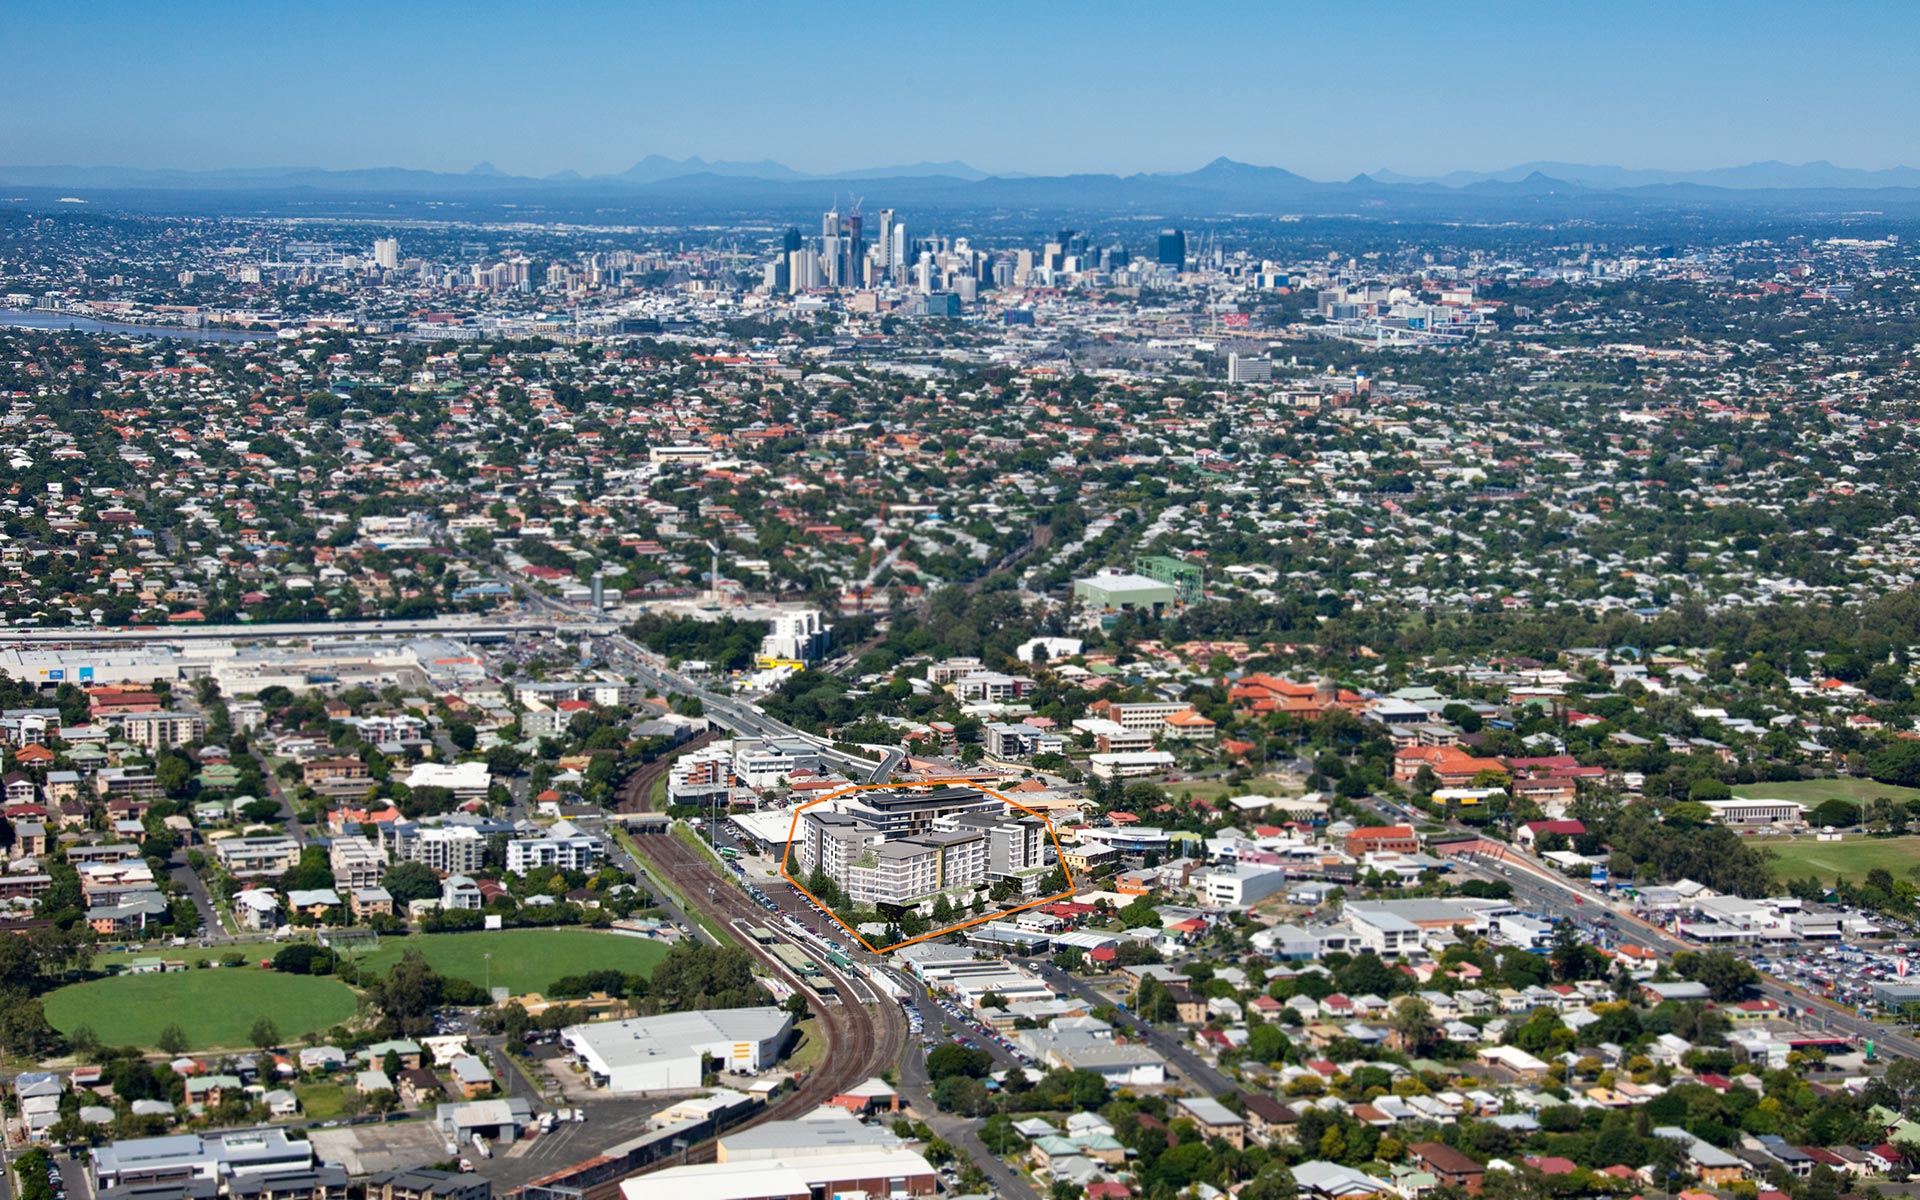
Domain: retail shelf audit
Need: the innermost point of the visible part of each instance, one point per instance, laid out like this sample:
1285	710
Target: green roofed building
1114	590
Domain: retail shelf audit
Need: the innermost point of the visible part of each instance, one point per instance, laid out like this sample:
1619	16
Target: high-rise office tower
833	262
803	270
386	253
790	241
883	239
1173	249
853	234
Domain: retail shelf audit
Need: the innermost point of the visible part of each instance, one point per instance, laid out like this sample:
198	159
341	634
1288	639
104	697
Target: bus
728	852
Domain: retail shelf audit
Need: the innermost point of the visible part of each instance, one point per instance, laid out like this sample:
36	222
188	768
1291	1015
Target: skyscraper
1173	249
853	237
790	241
386	253
883	239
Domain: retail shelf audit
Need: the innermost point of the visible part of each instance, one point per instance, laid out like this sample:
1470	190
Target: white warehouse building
667	1053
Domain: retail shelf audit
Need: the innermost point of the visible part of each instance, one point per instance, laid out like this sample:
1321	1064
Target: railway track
636	793
862	1040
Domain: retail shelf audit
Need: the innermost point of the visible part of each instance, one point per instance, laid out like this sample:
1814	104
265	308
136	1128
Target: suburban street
1172	1049
962	1133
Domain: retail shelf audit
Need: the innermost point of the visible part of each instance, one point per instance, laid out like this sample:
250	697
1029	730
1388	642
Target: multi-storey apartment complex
450	850
1017	845
356	862
905	846
157	731
564	847
244	856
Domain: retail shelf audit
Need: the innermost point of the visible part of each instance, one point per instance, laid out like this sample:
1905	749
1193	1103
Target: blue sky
1328	90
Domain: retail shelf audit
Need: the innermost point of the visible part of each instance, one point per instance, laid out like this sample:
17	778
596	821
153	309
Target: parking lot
608	1123
1845	972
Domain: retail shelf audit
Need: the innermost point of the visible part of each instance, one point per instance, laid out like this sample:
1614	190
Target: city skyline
1662	89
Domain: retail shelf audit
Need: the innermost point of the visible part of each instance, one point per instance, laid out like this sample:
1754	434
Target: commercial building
467	781
1243	368
1115	591
669	1052
1241	885
1129	764
764	762
1757	812
1170	249
870	1173
216	1156
804	1139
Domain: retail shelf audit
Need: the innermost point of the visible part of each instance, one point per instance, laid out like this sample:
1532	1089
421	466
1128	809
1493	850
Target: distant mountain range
1223	185
1753	175
652	169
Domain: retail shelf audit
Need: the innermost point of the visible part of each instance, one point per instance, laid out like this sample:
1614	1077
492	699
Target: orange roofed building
1453	766
1270	694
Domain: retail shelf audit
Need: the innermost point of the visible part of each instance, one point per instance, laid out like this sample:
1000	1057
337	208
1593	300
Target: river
65	322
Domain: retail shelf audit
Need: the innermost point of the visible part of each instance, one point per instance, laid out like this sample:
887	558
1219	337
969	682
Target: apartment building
992	687
1150	716
158	731
244	856
1004	740
356	862
908	870
942	673
1017	845
899	847
564	847
700	775
448	849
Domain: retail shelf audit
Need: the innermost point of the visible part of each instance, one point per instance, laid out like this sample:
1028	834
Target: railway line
864	1037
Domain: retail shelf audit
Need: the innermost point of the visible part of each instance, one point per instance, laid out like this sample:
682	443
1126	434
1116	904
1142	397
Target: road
1175	1051
189	883
961	1133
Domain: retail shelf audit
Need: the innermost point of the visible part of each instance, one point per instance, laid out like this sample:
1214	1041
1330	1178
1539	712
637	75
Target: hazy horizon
1109	89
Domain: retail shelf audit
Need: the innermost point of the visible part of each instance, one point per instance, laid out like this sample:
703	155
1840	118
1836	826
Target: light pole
488	959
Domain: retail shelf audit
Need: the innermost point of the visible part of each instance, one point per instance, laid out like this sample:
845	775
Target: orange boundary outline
1059	857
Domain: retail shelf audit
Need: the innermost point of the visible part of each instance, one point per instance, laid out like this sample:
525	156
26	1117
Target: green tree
410	881
1726	976
264	1034
1414	1021
172	1039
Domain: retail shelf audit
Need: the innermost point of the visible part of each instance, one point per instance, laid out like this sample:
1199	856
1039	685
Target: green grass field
1812	791
216	1008
524	960
1798	858
321	1101
1220	789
